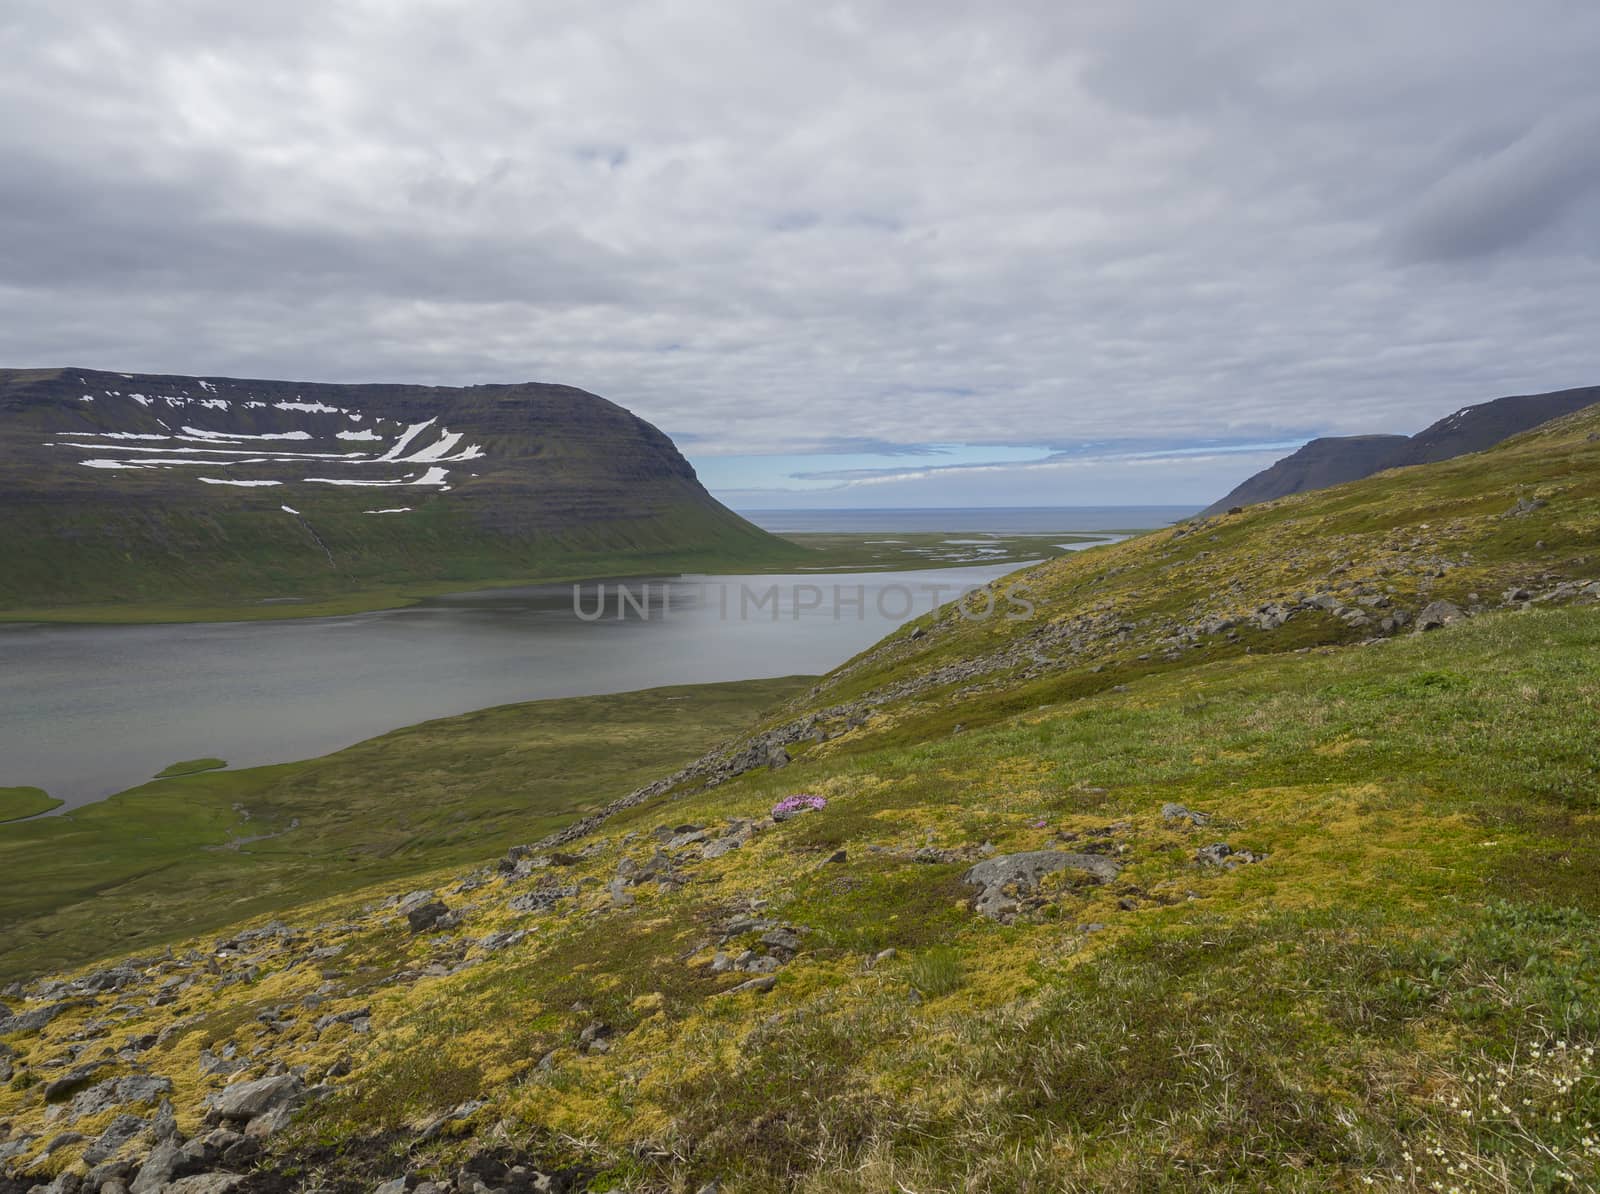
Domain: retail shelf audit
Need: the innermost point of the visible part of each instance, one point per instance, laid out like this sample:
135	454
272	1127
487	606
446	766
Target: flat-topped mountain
1333	460
136	487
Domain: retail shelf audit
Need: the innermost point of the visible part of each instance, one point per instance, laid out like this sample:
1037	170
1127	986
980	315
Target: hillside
1262	854
128	489
1334	460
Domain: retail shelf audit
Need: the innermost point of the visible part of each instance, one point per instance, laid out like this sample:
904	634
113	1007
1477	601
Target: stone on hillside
116	1134
116	1092
205	1183
724	845
1177	812
246	1100
1006	874
1223	855
542	899
426	916
757	985
159	1168
31	1021
59	1088
1437	614
504	939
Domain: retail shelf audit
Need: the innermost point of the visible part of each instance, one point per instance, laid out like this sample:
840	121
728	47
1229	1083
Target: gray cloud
821	228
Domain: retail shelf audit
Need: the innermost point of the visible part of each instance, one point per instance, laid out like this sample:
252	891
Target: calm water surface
86	711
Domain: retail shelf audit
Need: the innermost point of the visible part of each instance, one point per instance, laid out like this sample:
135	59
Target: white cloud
771	228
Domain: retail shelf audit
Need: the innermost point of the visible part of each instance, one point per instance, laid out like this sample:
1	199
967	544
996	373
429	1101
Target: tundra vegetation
1266	856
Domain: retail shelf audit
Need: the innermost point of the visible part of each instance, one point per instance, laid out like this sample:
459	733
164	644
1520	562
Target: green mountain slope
1214	873
123	489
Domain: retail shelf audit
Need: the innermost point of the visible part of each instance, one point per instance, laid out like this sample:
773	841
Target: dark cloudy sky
848	254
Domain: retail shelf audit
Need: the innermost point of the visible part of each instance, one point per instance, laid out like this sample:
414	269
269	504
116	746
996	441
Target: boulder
1177	812
159	1168
116	1134
1438	614
1006	875
246	1100
205	1183
423	917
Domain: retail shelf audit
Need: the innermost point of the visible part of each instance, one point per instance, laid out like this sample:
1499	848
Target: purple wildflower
793	806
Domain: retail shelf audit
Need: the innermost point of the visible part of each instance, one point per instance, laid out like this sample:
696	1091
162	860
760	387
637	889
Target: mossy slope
1395	988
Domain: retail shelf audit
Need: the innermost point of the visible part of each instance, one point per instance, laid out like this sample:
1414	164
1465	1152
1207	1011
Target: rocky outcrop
1006	877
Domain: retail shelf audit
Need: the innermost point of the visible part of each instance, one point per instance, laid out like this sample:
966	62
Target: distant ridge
128	489
1333	460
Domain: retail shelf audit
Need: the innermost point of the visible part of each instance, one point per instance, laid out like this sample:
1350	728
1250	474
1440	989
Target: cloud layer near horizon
789	228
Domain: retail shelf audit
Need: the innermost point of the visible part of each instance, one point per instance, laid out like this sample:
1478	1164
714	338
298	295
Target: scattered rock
246	1100
116	1134
758	985
423	917
1220	854
1177	812
205	1183
1437	614
1005	876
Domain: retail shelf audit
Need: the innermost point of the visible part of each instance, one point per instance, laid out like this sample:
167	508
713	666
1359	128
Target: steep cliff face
119	487
1333	460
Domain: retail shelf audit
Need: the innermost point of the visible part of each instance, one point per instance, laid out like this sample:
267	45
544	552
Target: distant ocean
996	519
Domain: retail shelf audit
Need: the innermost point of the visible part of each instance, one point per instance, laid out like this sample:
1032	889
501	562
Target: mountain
139	488
1256	853
1330	460
1333	460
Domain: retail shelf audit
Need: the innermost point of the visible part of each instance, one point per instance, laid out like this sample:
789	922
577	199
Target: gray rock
269	1123
109	1171
621	897
758	985
159	1168
205	1183
504	939
350	1017
412	899
542	899
1006	873
118	1092
117	1133
246	1100
31	1021
1438	614
393	1186
211	1063
1177	812
74	1079
423	917
724	845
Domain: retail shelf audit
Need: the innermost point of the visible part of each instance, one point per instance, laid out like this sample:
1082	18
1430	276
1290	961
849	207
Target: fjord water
86	711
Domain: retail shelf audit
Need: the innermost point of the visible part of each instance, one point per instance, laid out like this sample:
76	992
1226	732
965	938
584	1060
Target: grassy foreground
187	854
1338	927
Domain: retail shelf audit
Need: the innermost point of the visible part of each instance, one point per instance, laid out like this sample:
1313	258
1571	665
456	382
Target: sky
861	254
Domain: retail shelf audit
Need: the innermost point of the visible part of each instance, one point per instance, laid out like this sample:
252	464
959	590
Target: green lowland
16	803
1264	855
